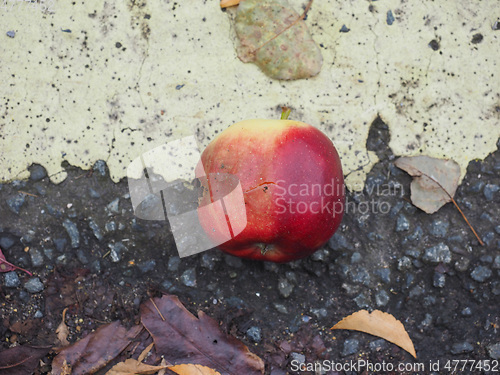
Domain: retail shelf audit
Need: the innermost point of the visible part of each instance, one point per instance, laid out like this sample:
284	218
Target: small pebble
439	280
439	228
6	243
496	262
15	202
490	190
494	351
384	274
147	266
37	172
280	308
378	345
110	226
82	256
404	263
173	263
467	311
11	280
355	257
188	277
462	347
381	298
344	29
33	285
117	249
11	34
298	357
338	242
481	273
36	257
60	244
488	238
416	235
38	314
94	194
462	264
95	229
402	224
390	18
100	167
350	347
437	254
73	233
254	334
113	206
362	300
285	288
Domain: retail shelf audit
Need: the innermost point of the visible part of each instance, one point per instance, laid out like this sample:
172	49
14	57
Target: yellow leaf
228	3
190	369
133	366
379	324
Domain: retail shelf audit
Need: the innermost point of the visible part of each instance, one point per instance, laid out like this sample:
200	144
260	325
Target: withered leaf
133	366
379	324
435	180
62	330
7	266
272	35
183	338
95	350
21	360
189	369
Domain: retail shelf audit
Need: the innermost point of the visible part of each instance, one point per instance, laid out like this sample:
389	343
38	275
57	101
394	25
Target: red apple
293	189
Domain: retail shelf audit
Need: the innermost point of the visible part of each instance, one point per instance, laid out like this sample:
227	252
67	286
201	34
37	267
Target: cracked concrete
170	70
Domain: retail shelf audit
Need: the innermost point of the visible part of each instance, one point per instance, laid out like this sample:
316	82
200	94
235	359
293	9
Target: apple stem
285	112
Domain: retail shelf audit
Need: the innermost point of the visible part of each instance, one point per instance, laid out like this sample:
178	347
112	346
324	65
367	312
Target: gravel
481	273
73	233
255	334
285	287
350	347
494	351
462	347
402	224
34	285
188	278
11	280
437	254
15	202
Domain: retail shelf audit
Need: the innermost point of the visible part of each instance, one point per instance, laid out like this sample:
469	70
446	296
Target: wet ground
88	252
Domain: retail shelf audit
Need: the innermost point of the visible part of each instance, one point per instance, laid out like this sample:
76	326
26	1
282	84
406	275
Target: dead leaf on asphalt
95	350
133	366
379	324
21	360
189	369
62	330
7	266
183	338
276	39
435	180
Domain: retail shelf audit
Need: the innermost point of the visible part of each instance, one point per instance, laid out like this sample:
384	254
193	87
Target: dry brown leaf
96	350
133	366
163	363
145	352
62	330
190	369
435	180
182	338
379	324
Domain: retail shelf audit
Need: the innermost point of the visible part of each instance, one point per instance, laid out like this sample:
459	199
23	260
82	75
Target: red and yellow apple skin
292	183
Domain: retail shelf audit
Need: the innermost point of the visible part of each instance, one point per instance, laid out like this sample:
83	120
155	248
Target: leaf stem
285	112
456	205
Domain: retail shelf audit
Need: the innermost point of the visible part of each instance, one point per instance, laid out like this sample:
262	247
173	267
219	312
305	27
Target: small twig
157	309
26	193
456	205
